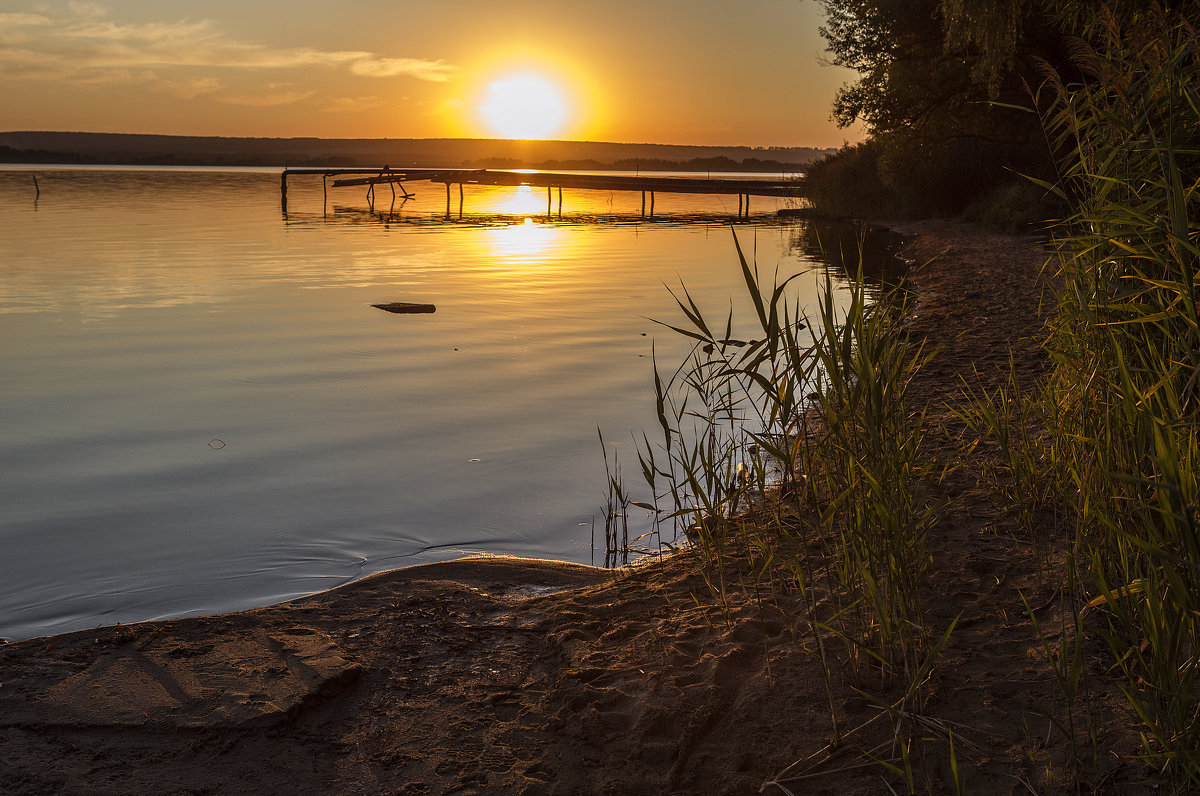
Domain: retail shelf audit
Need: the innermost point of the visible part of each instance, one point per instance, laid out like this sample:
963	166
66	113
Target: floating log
405	307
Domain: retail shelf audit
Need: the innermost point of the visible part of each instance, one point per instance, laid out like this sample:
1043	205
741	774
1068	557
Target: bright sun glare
524	106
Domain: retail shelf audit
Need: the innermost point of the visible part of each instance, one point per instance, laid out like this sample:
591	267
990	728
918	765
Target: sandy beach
504	675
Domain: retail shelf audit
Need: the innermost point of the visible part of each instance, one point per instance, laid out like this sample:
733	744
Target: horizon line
423	138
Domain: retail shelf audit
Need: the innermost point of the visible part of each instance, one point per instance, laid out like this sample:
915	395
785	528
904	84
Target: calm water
200	411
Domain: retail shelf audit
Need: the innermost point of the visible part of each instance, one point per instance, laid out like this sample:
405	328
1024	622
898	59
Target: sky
702	72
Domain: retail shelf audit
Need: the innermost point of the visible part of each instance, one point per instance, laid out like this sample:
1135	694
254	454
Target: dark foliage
941	88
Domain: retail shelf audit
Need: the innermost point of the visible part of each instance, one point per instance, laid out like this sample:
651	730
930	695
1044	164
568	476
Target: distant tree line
11	155
183	157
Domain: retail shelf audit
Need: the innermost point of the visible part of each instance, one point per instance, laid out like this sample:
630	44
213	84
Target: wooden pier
551	181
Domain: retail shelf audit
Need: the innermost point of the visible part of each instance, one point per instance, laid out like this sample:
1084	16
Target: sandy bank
498	675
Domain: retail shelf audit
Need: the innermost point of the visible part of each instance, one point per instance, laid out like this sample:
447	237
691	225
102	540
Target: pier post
448	198
739	205
460	199
560	202
283	191
549	201
652	204
643	204
747	205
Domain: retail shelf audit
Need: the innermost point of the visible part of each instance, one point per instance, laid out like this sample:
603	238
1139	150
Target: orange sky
709	72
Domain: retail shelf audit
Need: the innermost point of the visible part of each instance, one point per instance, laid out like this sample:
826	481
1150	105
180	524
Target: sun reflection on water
526	244
525	201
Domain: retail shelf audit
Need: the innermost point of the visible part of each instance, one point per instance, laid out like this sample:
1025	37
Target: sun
524	106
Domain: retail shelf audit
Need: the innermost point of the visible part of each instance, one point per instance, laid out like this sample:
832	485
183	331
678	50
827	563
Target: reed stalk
1118	447
804	428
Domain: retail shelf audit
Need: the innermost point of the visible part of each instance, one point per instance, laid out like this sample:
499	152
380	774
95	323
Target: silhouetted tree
937	82
939	85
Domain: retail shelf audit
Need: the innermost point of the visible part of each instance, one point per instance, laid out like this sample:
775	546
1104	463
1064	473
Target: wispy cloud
10	22
275	94
186	89
390	67
81	9
356	104
74	46
268	99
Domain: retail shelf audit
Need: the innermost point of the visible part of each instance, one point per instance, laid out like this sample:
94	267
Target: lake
201	410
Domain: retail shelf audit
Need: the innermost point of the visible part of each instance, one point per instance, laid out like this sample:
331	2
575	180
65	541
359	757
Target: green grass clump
799	447
868	478
802	439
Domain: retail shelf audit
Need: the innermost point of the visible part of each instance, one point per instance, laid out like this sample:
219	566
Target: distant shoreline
116	149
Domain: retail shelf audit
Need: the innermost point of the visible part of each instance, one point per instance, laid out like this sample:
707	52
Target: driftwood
405	307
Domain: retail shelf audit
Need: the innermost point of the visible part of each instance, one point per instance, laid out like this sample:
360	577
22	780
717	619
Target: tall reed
866	464
811	421
1119	449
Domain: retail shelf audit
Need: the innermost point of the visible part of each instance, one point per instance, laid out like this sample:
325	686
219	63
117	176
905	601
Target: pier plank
560	180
